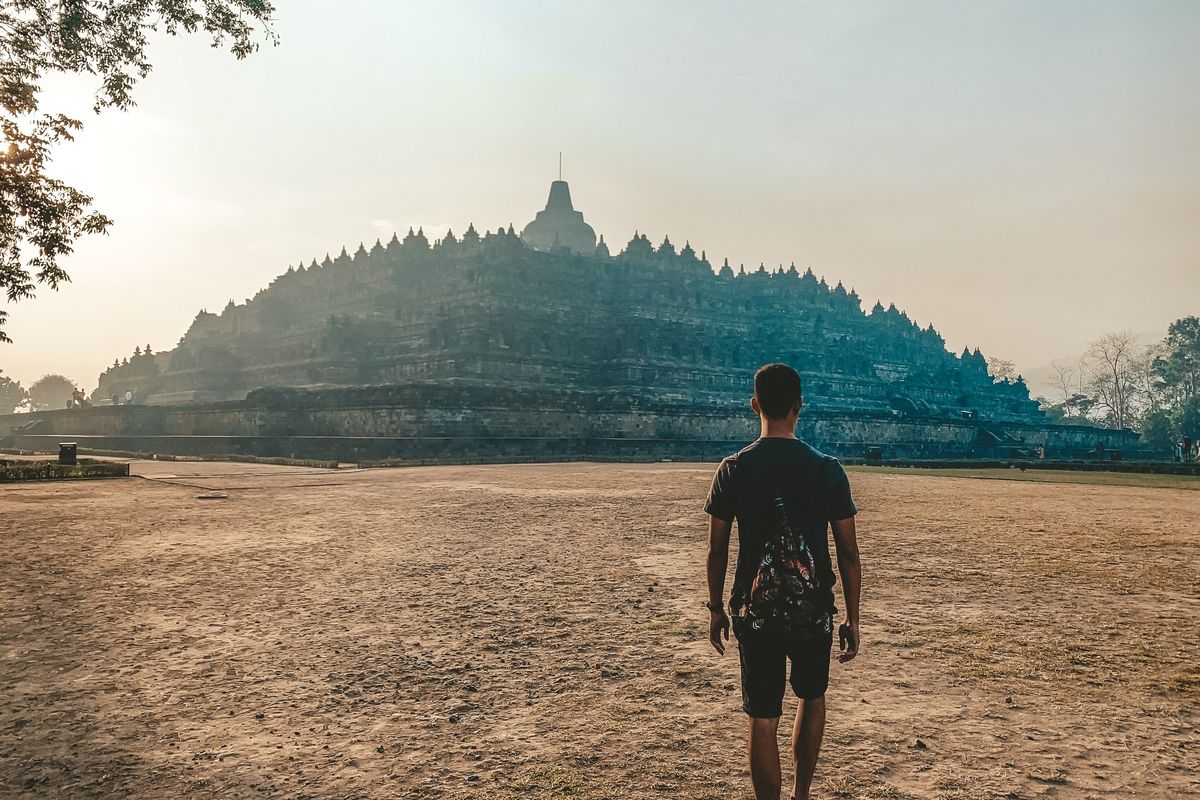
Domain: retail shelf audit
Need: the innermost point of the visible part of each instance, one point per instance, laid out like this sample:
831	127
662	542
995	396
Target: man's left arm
718	562
721	507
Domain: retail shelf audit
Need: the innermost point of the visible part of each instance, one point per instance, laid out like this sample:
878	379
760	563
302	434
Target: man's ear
755	406
799	405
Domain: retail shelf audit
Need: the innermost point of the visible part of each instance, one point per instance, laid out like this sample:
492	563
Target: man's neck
777	429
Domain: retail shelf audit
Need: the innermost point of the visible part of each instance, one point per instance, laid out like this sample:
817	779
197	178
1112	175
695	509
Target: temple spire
559	224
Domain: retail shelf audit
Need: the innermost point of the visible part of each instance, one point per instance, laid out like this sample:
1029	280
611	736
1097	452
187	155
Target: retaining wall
458	423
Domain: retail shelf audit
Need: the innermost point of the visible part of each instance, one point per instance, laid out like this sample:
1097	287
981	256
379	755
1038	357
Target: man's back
814	488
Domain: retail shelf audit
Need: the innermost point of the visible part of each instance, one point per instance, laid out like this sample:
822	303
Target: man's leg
764	757
764	680
810	679
806	743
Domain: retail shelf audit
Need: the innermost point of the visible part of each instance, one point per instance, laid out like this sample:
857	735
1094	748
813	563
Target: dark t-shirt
814	488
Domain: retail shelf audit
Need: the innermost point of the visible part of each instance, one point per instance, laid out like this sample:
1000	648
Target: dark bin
68	453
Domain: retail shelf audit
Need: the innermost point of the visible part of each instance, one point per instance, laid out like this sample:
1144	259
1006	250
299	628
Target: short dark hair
777	387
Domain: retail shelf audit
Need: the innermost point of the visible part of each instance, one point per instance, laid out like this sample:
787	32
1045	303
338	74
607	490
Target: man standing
784	495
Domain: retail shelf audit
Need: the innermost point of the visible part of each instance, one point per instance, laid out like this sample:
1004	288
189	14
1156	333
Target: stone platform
468	424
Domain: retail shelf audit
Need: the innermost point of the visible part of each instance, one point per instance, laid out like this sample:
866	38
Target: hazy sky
1025	175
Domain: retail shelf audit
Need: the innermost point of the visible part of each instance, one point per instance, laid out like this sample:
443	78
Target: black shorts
764	655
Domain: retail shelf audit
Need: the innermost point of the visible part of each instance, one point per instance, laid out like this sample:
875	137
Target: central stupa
559	225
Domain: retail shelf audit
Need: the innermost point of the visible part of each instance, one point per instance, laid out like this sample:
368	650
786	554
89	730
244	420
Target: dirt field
536	631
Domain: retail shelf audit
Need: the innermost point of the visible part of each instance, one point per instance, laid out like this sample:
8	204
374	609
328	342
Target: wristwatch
717	609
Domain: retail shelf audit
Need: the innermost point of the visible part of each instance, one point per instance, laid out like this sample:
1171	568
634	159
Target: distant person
128	397
115	400
784	495
1187	448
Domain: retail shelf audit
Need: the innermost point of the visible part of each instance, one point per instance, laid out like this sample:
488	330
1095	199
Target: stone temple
552	308
548	345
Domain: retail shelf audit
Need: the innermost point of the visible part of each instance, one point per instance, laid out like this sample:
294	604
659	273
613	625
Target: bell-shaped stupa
559	225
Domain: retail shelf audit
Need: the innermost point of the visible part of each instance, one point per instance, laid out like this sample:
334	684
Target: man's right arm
721	512
717	563
845	539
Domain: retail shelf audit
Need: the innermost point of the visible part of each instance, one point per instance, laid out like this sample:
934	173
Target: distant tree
1124	384
137	351
1189	418
40	216
1052	410
148	351
50	392
1001	369
12	395
1178	365
1150	388
1111	377
1080	404
1066	382
1159	430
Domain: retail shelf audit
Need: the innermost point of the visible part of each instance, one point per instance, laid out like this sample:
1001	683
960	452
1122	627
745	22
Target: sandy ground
536	631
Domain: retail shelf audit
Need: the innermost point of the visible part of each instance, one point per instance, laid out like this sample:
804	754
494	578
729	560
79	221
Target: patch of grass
948	788
566	782
854	788
1184	681
1049	775
994	654
1138	479
29	469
